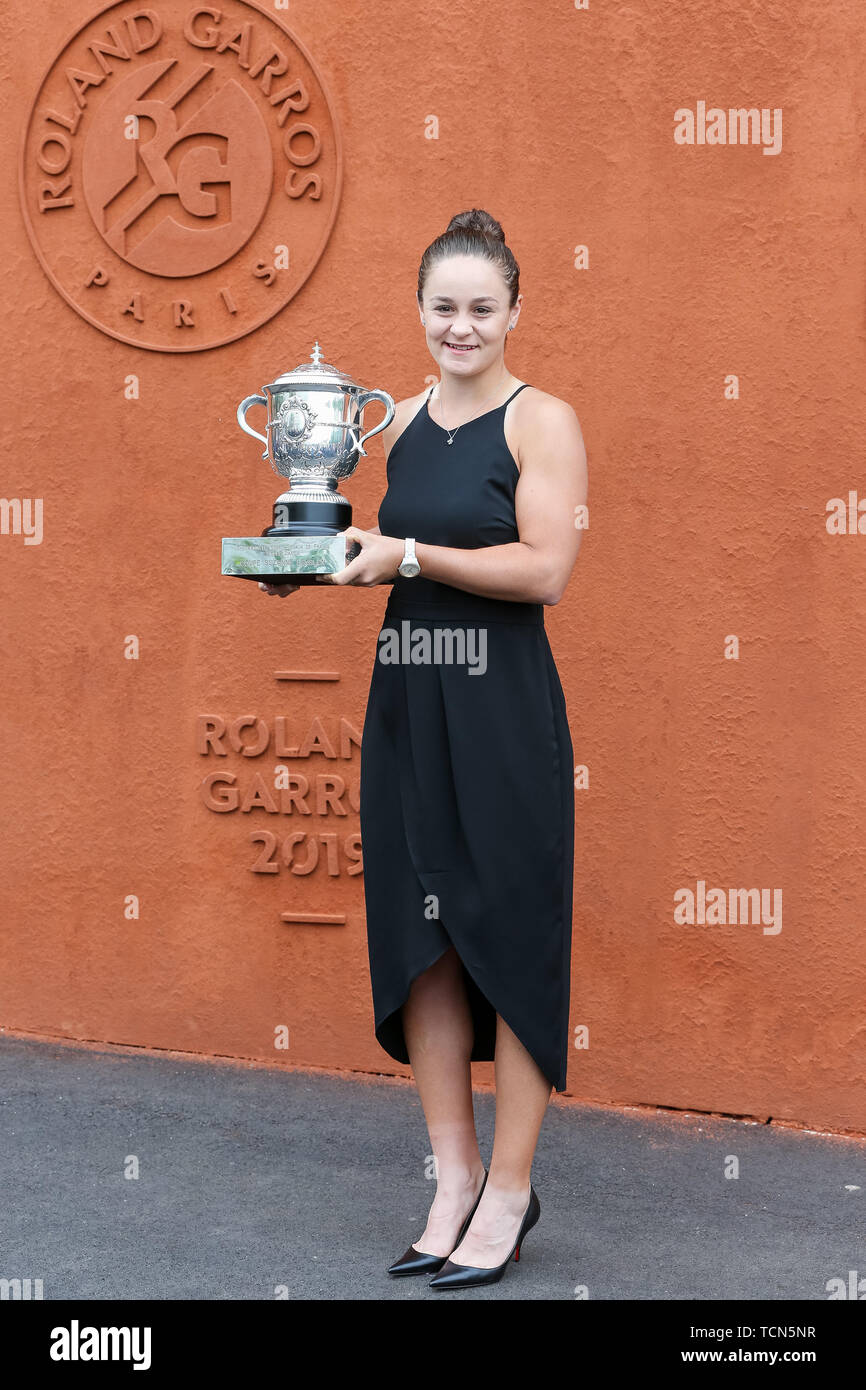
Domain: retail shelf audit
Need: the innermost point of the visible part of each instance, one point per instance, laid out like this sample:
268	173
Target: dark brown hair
473	233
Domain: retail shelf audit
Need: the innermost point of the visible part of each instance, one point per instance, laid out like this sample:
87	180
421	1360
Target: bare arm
534	569
553	483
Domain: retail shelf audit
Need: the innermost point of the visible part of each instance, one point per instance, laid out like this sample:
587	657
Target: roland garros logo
180	171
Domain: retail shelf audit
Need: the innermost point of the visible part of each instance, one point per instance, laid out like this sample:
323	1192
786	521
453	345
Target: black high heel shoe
454	1276
417	1262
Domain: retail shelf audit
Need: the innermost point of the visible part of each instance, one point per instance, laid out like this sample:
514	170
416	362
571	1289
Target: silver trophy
314	439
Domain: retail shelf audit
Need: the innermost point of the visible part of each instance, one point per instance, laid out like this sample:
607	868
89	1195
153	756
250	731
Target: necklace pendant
450	441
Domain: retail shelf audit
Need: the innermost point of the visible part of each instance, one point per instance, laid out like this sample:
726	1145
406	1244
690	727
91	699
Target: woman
467	789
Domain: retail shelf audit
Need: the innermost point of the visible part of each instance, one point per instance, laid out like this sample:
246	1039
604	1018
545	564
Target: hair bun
477	220
473	233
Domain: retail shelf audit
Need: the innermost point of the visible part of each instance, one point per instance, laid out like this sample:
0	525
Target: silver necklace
452	433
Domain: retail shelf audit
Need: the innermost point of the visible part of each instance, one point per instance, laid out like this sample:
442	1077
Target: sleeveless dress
467	790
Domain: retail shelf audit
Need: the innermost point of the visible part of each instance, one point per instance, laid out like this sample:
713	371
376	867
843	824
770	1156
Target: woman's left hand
376	564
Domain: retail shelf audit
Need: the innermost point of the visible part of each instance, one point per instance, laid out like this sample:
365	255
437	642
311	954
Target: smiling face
466	313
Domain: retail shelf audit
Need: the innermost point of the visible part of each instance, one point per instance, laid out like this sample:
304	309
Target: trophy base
286	559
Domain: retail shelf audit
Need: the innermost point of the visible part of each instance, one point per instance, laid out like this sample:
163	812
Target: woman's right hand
281	590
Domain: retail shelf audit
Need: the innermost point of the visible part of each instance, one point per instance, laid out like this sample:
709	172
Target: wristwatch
409	565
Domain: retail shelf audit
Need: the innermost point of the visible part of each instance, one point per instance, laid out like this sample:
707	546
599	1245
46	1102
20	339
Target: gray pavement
251	1180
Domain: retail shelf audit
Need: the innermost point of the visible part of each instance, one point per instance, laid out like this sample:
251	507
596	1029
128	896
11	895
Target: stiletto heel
454	1276
417	1262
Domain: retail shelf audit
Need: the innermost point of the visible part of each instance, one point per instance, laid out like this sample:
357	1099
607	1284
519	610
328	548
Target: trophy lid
312	373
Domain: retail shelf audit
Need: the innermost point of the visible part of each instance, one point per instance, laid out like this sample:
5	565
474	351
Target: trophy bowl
314	439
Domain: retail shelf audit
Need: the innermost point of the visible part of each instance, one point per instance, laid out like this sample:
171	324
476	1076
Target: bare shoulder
541	424
404	412
540	409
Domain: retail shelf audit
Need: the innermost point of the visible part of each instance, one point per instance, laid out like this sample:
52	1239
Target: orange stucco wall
700	305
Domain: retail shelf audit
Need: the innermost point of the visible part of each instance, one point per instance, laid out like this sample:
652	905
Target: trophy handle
242	419
364	399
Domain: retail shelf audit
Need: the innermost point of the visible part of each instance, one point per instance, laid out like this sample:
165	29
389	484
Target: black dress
467	790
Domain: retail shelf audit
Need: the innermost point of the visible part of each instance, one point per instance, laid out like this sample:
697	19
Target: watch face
409	569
